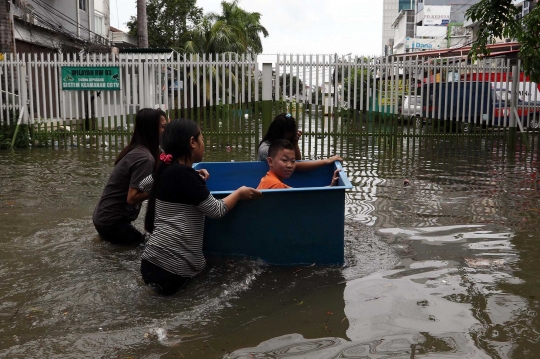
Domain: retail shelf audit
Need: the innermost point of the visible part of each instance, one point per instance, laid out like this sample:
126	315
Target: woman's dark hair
146	133
175	141
283	124
162	113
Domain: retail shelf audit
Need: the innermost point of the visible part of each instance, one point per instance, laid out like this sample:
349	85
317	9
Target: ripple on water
424	283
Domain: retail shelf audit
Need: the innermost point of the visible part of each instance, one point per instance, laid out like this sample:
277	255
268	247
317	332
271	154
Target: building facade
403	31
391	9
437	24
60	25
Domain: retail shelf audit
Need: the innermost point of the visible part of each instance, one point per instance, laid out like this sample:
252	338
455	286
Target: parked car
478	103
412	106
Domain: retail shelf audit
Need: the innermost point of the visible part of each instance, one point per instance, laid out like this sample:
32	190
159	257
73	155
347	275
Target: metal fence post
266	96
23	101
512	130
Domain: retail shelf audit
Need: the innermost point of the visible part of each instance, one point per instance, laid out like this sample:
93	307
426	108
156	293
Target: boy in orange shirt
282	162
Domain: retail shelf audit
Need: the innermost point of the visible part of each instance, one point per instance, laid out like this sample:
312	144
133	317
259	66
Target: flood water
446	266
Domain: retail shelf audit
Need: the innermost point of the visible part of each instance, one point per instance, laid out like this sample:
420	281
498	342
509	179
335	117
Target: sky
300	26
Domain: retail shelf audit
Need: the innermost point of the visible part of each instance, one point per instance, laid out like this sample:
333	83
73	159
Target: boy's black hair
279	145
282	125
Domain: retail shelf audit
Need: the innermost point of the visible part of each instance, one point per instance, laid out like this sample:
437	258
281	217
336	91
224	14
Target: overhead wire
69	20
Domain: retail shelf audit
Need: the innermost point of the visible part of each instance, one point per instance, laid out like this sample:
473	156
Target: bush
6	136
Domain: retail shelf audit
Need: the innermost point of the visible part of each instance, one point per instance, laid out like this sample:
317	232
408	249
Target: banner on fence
388	94
103	78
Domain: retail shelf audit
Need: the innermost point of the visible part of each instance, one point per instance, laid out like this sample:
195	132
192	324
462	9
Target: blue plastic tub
300	225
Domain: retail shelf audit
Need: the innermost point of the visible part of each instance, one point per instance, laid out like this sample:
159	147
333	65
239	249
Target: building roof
138	50
495	50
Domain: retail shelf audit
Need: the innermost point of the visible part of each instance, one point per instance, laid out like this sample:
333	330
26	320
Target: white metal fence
210	88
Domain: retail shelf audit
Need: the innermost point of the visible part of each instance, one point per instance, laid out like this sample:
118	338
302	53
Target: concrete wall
390	12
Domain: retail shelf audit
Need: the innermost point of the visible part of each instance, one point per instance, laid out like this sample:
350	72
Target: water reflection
445	266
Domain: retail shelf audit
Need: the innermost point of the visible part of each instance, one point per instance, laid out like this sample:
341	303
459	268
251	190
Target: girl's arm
215	208
136	196
297	153
311	165
243	193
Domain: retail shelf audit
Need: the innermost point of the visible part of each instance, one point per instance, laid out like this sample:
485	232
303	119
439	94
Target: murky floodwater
444	267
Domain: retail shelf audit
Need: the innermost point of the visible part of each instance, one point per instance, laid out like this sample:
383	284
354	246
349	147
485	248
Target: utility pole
7	40
142	28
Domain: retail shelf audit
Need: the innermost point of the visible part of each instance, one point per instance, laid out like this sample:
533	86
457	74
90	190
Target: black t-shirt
129	172
182	202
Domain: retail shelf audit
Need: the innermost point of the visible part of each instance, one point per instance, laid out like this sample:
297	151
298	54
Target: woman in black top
120	202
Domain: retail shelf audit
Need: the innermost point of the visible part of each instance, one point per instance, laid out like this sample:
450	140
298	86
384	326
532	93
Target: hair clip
288	115
165	158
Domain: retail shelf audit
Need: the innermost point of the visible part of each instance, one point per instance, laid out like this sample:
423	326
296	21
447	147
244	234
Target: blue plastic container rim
344	182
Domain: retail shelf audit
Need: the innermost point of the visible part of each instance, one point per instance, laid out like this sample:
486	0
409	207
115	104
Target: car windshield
413	100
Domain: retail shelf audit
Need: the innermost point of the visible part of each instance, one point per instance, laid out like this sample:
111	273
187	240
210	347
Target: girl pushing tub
179	201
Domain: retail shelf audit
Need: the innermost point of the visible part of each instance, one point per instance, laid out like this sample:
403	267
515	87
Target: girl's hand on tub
248	193
335	178
333	159
204	174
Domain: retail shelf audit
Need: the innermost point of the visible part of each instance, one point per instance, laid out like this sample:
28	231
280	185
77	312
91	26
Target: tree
348	79
7	41
498	19
285	82
234	30
142	24
169	22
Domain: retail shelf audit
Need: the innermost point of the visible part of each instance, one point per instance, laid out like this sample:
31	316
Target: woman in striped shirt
179	201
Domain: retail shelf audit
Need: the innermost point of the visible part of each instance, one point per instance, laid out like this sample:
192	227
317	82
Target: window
82	5
405	5
98	25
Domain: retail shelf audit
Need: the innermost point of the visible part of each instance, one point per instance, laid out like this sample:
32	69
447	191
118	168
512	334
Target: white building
60	25
403	31
391	9
390	12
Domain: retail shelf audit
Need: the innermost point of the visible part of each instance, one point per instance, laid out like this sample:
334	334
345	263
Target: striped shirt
146	184
182	202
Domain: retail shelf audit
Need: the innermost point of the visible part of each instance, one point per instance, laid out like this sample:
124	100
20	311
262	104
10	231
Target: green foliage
6	136
497	19
348	80
285	82
234	30
530	44
169	22
180	25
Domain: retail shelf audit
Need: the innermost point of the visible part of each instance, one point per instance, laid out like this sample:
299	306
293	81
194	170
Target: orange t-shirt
270	181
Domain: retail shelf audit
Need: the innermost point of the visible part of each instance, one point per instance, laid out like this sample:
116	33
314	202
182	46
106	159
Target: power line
69	20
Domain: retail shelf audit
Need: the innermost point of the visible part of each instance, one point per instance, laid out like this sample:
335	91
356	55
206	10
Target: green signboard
90	78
